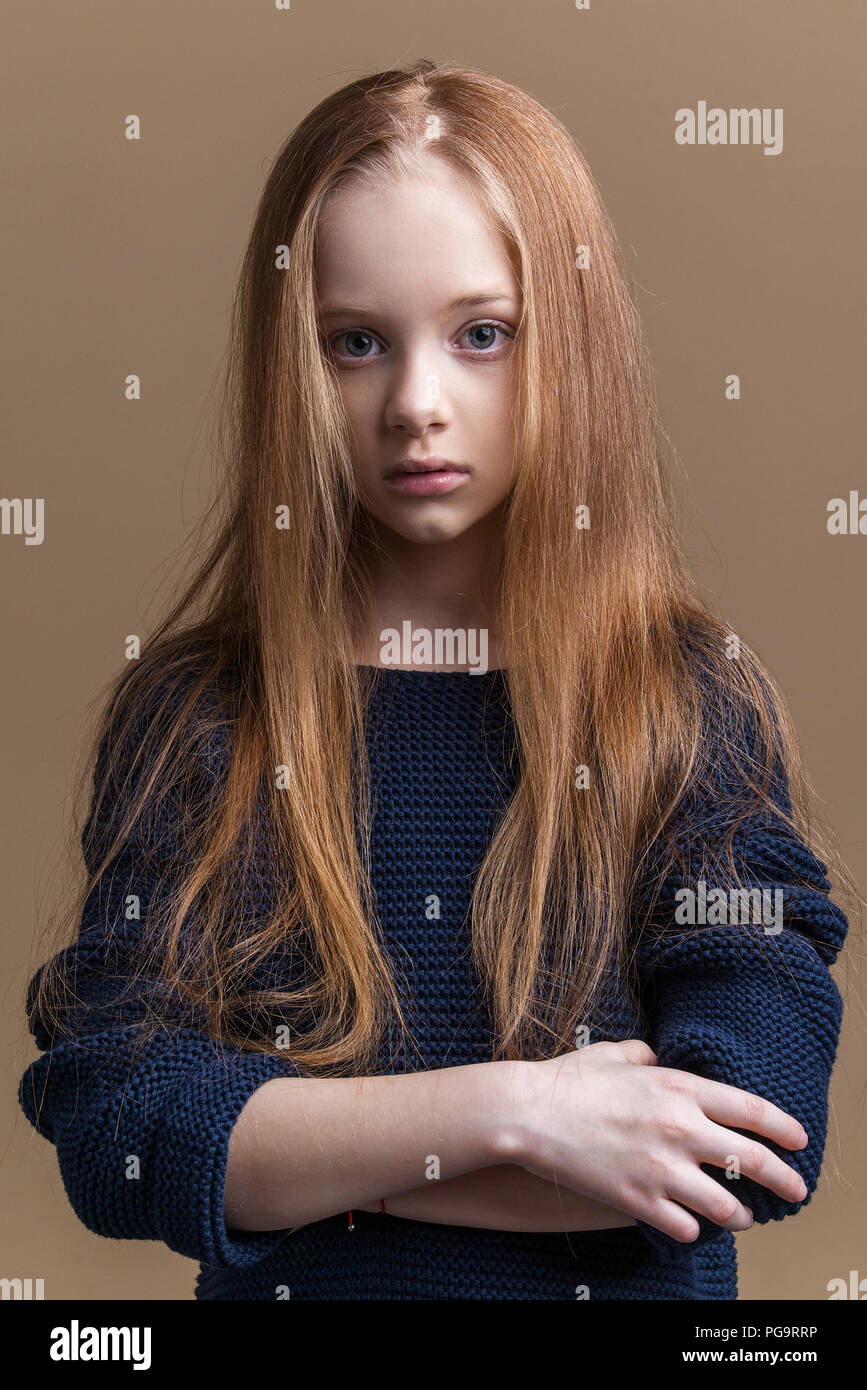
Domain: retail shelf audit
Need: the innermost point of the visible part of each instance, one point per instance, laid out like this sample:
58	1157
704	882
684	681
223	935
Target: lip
427	465
426	477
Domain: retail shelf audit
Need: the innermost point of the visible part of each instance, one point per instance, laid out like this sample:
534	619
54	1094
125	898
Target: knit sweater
730	1002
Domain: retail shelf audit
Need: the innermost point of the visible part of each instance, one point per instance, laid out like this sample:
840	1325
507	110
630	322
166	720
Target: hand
608	1121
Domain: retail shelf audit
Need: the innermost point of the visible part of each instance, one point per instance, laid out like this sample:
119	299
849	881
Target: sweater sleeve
141	1138
753	1004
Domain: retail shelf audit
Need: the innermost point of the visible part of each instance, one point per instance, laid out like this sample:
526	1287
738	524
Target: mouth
427	477
428	465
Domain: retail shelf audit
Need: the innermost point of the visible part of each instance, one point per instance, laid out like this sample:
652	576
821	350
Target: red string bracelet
351	1223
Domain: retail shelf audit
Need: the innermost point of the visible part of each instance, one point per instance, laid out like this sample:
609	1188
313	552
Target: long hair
611	648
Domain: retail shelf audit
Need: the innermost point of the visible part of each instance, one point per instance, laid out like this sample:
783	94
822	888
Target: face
419	309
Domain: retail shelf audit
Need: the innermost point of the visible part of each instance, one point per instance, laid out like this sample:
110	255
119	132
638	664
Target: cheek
356	402
492	430
490	406
361	414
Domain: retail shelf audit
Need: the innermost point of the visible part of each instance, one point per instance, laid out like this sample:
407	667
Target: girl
451	929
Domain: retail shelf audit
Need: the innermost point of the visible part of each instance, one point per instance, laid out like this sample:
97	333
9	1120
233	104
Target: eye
358	340
485	327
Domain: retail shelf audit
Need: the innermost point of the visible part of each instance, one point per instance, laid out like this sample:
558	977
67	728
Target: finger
702	1194
729	1105
669	1218
634	1051
754	1160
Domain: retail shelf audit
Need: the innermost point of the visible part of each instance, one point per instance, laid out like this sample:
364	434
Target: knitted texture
727	1002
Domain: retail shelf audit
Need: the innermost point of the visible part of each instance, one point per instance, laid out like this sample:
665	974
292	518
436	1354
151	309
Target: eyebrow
466	301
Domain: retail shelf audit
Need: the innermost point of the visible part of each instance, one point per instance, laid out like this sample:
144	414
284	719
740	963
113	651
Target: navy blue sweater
727	1002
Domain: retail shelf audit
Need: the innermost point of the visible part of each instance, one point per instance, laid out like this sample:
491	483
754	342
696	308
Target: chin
430	532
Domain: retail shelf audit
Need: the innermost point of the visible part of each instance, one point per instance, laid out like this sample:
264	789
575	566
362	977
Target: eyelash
473	352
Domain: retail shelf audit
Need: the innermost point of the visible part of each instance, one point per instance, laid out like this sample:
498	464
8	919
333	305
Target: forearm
503	1197
304	1149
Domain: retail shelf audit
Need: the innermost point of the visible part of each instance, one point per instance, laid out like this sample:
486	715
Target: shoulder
746	738
162	740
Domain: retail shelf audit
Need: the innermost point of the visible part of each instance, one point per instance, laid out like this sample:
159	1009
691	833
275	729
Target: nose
416	397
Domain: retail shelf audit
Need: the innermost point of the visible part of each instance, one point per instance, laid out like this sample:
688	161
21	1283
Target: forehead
423	234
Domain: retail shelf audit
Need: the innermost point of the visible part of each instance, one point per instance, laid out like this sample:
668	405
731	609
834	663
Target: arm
148	1138
233	1146
305	1149
759	1016
141	1133
754	1009
503	1197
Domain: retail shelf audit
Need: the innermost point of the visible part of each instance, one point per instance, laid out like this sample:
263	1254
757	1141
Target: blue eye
358	341
493	328
356	333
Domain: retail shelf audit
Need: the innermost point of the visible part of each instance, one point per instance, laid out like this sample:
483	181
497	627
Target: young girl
451	929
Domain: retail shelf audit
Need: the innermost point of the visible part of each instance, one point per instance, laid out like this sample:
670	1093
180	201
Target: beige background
121	257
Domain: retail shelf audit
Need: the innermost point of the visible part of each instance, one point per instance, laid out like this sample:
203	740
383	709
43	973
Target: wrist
509	1137
521	1135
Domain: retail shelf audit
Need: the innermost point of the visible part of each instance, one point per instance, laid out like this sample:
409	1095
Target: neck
443	585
